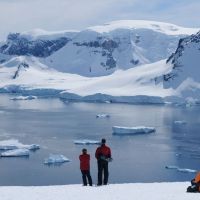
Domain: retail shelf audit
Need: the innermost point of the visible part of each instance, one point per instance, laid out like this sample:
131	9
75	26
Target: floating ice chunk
31	146
171	167
87	142
180	122
102	116
55	158
23	98
15	153
119	130
15	144
185	170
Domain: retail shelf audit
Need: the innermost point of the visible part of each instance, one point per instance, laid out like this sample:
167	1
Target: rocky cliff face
185	68
18	45
185	61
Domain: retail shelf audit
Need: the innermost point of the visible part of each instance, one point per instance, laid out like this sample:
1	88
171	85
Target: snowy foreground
136	191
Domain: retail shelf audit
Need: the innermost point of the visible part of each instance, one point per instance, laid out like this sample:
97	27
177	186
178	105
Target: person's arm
109	153
97	154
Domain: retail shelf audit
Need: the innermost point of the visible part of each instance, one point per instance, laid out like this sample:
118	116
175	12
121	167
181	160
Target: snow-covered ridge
166	28
36	34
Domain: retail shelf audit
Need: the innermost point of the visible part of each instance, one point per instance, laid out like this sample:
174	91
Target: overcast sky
23	15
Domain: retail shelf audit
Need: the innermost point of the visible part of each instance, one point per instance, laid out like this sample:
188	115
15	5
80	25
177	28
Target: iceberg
171	167
185	170
180	122
120	130
102	116
24	98
55	159
86	142
15	153
15	144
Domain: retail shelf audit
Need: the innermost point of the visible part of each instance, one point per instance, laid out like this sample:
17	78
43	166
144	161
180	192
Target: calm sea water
54	125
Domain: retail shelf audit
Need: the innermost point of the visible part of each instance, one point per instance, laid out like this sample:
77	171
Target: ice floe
15	153
15	144
86	142
120	130
24	98
55	159
103	115
180	122
185	170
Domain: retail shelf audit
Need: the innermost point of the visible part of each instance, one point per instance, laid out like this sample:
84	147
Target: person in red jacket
103	156
85	167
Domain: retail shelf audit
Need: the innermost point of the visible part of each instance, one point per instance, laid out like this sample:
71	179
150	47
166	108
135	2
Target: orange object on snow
197	179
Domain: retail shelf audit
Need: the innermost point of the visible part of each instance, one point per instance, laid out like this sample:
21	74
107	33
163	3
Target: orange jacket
197	179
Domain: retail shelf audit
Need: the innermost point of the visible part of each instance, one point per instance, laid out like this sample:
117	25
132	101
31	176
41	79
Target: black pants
194	187
86	176
102	172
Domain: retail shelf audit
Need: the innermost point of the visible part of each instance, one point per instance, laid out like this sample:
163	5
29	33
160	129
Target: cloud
22	15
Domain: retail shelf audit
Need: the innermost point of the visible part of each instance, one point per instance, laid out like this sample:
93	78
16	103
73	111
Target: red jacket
84	161
103	150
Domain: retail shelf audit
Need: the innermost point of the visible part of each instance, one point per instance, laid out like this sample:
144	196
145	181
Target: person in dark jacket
103	156
85	167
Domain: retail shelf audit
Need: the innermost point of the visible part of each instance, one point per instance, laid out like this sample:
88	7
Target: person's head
84	151
103	141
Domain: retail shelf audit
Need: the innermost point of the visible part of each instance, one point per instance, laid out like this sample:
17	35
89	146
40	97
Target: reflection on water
54	125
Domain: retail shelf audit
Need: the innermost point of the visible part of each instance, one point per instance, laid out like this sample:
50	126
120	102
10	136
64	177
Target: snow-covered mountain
74	71
184	72
98	50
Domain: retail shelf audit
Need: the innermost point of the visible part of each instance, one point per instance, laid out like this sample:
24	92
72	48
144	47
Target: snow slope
137	191
35	79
